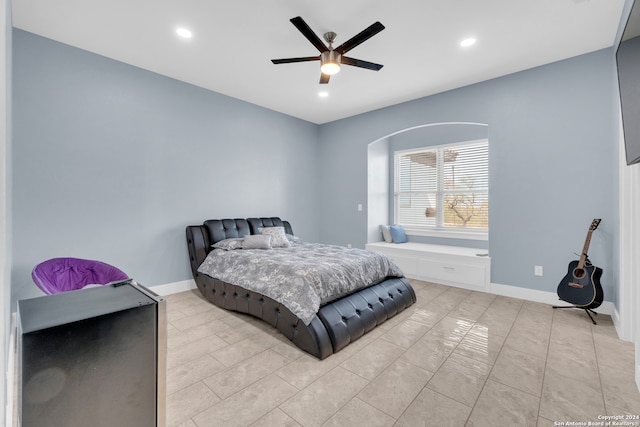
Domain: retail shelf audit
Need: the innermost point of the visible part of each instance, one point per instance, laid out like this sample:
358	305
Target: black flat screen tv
628	61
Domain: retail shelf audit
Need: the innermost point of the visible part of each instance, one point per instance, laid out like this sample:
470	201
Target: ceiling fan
330	58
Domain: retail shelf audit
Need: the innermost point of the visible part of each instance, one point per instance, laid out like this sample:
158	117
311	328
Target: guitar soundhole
578	273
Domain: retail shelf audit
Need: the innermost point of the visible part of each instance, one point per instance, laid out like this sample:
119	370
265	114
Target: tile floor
455	358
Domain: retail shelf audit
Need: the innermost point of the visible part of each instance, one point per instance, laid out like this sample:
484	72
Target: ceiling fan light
468	42
330	68
184	33
330	62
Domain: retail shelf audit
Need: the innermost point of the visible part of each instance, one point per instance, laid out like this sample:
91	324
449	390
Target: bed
338	320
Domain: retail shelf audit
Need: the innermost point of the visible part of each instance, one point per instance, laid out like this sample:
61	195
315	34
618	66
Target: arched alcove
380	167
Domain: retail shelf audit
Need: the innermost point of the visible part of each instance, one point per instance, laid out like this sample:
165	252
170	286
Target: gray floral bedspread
303	276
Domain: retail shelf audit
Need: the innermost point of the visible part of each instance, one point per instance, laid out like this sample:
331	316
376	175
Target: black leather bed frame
336	324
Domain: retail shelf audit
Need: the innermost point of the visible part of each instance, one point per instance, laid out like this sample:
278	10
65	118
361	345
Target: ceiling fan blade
308	33
324	78
360	63
290	60
359	38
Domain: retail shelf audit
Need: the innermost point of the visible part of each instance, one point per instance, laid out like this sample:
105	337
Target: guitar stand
586	310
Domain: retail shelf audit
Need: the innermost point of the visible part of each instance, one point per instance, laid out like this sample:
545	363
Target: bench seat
468	268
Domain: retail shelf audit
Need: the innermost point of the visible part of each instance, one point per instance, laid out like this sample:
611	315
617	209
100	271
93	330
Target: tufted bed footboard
336	324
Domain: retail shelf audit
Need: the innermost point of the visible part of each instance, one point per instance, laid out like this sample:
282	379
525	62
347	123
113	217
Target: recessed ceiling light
184	33
323	94
468	42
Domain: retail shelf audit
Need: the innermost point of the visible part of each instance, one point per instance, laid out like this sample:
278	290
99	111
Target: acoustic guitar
581	286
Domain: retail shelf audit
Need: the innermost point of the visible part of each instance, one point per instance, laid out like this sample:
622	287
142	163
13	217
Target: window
443	190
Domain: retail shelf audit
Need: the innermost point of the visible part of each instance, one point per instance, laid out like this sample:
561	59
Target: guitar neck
585	249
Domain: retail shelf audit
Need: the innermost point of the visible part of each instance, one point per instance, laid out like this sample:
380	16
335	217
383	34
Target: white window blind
443	187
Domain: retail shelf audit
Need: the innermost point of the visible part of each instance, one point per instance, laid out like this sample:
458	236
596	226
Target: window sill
450	234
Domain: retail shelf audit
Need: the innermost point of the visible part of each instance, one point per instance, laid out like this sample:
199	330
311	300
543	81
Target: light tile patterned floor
455	358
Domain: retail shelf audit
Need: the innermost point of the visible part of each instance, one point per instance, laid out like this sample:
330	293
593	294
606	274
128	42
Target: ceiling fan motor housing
330	57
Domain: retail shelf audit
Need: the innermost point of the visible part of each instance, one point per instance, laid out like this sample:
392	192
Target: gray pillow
386	233
257	241
229	244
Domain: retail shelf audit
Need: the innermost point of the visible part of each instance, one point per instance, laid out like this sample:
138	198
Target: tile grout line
546	361
494	362
595	352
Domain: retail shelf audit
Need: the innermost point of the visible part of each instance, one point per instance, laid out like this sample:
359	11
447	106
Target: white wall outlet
538	271
359	207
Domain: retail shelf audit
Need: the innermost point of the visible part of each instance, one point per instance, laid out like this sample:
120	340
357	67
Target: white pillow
256	241
386	234
278	236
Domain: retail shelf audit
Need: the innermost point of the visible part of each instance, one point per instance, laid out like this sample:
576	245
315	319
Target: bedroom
138	140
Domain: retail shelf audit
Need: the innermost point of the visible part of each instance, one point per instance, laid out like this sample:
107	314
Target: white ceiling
234	41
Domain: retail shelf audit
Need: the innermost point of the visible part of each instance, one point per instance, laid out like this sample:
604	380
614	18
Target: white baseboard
545	297
607	307
637	366
534	295
615	316
11	383
174	288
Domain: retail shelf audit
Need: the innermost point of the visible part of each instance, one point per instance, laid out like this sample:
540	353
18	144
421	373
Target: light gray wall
553	166
111	162
177	154
378	173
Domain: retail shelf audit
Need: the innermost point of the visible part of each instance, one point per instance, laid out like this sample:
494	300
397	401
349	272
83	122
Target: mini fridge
93	357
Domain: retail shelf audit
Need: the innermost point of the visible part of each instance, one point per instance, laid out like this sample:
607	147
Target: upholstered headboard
201	237
220	229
